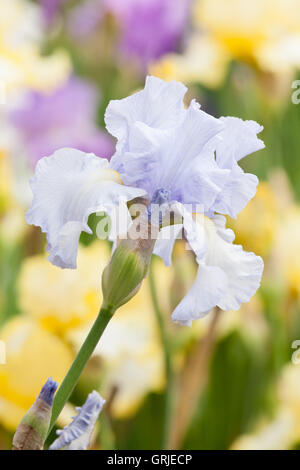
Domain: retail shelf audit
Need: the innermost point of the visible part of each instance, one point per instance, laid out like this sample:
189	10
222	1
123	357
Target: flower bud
129	263
32	431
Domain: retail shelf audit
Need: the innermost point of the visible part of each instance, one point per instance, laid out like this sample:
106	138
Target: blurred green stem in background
168	408
192	382
75	371
10	261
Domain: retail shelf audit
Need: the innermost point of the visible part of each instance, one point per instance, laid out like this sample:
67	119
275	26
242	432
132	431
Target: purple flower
85	17
150	28
65	118
51	8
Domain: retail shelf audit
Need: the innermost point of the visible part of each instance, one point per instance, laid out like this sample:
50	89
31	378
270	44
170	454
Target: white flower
237	140
175	157
159	105
69	186
227	275
77	435
192	161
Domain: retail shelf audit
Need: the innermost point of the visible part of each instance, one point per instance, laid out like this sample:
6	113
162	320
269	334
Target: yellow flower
253	31
288	392
255	227
5	181
203	61
275	435
241	26
21	62
61	299
262	33
13	226
286	252
249	320
283	431
32	355
12	212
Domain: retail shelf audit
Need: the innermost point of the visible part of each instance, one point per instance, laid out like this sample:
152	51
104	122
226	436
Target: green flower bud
32	431
129	264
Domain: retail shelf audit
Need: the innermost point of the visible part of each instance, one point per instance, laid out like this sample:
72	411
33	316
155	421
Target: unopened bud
129	263
32	431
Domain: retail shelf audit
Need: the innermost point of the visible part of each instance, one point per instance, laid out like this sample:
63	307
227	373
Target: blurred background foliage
233	379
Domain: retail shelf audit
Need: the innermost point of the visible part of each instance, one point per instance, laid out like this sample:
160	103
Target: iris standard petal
67	187
201	183
168	158
237	139
186	145
159	105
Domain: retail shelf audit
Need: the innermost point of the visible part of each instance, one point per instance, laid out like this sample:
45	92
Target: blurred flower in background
263	208
62	118
145	29
5	181
50	9
61	299
149	28
33	354
21	33
263	33
23	67
203	61
283	431
286	262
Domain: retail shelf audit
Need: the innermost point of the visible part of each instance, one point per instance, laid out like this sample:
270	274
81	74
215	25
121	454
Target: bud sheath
32	431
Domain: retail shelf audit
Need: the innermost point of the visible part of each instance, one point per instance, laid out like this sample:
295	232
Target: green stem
167	360
75	371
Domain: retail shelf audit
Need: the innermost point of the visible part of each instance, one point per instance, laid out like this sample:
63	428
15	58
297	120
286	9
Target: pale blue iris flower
181	157
77	435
